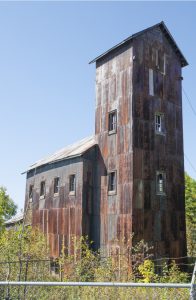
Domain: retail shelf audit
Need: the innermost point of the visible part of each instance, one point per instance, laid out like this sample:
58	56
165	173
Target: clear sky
47	87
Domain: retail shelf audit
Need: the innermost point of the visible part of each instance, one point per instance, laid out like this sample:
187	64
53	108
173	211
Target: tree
190	201
7	206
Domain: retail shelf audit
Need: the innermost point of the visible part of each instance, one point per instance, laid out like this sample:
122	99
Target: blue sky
47	87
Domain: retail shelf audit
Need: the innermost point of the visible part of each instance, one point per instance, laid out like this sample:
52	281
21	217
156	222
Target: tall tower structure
139	133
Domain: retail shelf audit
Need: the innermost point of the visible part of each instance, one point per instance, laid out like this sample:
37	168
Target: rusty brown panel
111	141
35	217
148	216
112	87
138	163
121	140
138	226
98	93
72	220
125	203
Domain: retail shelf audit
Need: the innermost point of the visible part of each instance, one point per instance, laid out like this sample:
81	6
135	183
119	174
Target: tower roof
165	31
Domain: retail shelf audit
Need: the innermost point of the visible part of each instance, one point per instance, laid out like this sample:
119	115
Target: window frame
110	122
158	189
114	190
162	122
72	192
30	194
42	184
56	185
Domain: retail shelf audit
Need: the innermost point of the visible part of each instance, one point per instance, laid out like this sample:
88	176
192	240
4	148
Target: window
112	182
160	183
159	123
72	184
42	189
151	83
56	185
31	192
112	122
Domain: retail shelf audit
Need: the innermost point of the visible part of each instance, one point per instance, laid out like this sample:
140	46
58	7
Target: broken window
56	185
159	123
160	183
112	121
31	192
42	189
72	184
112	181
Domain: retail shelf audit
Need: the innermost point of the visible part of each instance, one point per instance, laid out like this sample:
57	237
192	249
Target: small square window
112	122
31	192
159	123
160	183
56	185
112	182
72	184
42	189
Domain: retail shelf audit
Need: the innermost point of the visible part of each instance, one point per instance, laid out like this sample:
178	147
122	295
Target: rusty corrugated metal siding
114	92
58	216
135	151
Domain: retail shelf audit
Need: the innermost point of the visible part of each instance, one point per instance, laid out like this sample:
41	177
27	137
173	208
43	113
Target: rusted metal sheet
60	216
122	83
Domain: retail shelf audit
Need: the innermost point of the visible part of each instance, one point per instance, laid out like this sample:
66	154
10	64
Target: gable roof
167	34
71	151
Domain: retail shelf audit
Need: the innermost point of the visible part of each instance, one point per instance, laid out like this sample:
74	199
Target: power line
189	101
190	162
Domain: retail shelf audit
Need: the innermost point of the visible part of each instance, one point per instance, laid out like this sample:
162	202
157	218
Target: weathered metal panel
122	79
114	80
152	152
58	216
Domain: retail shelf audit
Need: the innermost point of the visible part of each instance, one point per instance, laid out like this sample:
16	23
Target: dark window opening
56	185
42	189
72	184
159	123
112	126
160	183
31	192
112	181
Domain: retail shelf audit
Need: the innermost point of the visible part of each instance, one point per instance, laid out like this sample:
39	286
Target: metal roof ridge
162	26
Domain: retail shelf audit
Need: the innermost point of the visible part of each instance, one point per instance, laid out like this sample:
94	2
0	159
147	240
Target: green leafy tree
7	206
20	248
190	200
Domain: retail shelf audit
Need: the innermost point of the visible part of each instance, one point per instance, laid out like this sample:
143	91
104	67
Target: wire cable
189	101
190	163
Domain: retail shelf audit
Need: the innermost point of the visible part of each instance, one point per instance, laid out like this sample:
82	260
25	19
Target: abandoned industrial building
129	177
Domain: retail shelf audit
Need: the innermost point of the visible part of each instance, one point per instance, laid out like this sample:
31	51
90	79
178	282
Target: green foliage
190	200
173	274
81	265
7	206
23	243
148	271
19	249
